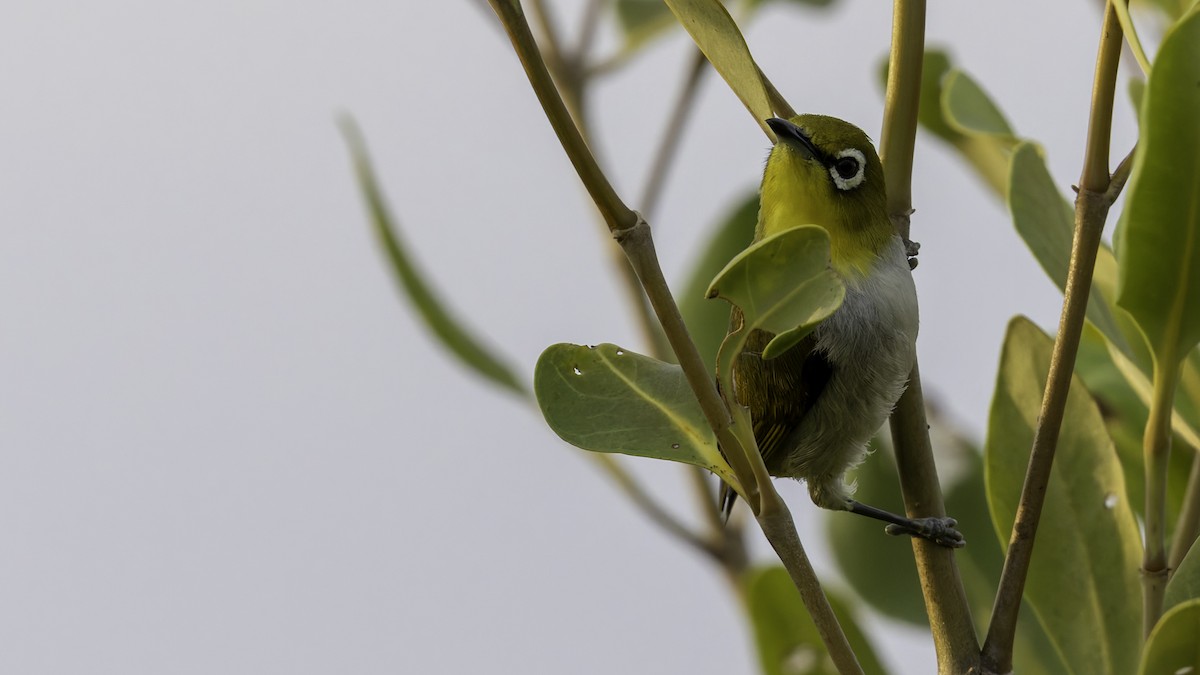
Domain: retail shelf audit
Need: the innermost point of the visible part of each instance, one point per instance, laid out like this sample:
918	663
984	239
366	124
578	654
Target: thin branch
653	510
1187	528
589	26
667	149
616	214
1091	210
945	599
633	234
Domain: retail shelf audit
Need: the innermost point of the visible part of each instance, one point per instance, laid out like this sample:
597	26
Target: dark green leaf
453	333
708	320
606	399
1083	583
787	639
1158	242
1173	647
864	553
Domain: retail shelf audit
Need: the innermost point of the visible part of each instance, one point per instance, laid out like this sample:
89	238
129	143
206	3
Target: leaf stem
1156	452
945	598
1135	43
1091	210
668	147
1187	528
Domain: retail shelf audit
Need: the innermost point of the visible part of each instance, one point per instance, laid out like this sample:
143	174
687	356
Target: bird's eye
848	169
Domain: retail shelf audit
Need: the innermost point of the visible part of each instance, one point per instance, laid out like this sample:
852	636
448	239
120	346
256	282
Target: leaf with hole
607	399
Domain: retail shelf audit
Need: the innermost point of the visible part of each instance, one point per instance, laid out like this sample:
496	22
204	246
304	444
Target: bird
815	407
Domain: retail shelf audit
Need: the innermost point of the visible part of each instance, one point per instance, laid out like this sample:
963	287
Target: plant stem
1187	528
1156	453
617	216
1091	210
633	234
945	599
680	111
777	525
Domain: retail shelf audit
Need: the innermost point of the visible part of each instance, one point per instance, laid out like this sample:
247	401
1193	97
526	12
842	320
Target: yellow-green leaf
1046	222
783	285
787	639
1185	581
1158	242
1173	647
717	35
1083	583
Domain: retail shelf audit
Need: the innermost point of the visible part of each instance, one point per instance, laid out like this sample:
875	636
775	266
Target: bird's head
825	171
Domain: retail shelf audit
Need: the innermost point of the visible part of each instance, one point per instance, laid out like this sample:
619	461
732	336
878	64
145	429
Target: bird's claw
940	531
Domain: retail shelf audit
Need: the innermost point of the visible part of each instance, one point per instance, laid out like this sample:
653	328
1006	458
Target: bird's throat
855	239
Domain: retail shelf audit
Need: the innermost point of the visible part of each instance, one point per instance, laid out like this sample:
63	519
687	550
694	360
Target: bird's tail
726	497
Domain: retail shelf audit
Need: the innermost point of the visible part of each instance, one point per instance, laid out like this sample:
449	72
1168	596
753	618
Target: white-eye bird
815	407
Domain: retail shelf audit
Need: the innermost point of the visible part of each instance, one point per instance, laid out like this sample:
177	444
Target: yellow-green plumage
815	407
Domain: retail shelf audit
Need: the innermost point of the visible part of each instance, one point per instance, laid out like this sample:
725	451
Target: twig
679	114
945	599
633	234
1091	210
654	511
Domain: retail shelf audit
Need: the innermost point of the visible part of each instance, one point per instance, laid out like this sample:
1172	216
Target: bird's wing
779	392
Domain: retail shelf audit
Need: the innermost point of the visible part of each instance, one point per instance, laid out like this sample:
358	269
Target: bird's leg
938	530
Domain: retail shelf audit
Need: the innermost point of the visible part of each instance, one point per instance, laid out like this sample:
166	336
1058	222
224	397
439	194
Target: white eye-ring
848	169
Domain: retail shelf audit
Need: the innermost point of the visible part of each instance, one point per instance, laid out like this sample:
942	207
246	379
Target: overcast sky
226	445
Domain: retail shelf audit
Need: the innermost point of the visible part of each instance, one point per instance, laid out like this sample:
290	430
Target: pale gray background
225	444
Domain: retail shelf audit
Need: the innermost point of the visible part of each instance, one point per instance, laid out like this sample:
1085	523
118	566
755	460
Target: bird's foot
940	531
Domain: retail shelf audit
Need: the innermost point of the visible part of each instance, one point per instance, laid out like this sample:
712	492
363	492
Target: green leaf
707	321
453	333
862	552
968	109
1172	648
642	20
717	35
607	399
1046	222
1185	581
957	110
1083	581
783	285
1158	243
787	639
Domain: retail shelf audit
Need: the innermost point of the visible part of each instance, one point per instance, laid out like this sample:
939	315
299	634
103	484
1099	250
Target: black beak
793	135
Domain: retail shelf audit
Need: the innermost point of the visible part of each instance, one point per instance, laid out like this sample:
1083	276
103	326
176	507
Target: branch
1091	210
633	234
945	598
